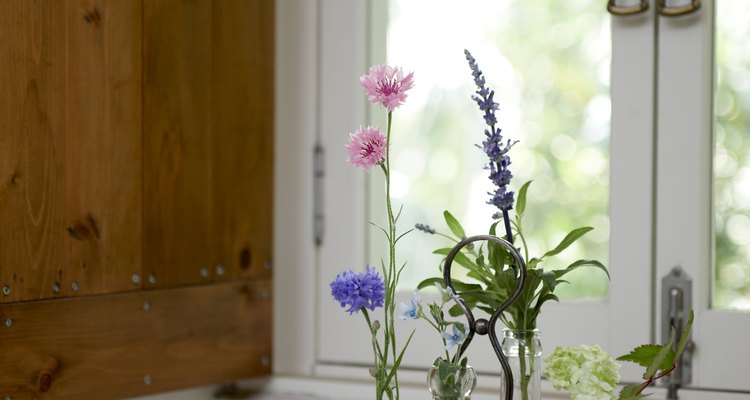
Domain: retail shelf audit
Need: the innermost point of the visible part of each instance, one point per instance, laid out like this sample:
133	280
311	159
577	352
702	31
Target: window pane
549	64
732	157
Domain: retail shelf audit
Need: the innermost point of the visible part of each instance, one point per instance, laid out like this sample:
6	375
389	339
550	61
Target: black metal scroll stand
483	326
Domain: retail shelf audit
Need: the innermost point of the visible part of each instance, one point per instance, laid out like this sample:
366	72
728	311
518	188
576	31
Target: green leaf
645	356
497	255
685	337
397	363
568	240
630	392
549	280
454	225
464	261
656	363
521	200
559	273
429	282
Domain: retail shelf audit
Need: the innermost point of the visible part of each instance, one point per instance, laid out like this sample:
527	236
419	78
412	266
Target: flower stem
508	232
391	278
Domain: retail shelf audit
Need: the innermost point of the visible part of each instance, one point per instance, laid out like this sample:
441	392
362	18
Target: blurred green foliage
731	282
549	63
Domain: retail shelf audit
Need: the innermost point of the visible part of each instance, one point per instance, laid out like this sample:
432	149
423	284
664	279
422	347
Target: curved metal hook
482	326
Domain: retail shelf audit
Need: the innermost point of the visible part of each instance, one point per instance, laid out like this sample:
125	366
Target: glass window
732	157
549	63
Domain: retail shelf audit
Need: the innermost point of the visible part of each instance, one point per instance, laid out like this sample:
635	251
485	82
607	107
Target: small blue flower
455	339
366	289
411	311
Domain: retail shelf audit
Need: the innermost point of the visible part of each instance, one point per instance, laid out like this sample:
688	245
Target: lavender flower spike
493	145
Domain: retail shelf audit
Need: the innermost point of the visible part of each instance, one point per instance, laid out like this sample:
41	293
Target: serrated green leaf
685	338
630	392
569	239
581	263
521	200
645	356
656	363
454	225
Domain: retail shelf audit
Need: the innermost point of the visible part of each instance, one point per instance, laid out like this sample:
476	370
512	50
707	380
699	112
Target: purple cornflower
366	289
493	145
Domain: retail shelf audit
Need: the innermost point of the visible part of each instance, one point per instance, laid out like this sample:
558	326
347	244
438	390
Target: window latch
676	303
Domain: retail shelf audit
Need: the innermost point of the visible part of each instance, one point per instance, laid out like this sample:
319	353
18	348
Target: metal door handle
667	11
629	10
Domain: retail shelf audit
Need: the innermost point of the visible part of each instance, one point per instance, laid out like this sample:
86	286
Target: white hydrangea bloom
587	372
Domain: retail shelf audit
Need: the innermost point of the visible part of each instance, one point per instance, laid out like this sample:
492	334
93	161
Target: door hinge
318	188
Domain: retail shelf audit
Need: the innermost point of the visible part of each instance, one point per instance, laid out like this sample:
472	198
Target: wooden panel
103	146
104	347
32	147
177	209
242	122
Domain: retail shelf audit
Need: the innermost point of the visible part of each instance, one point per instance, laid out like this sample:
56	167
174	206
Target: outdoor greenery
732	157
549	64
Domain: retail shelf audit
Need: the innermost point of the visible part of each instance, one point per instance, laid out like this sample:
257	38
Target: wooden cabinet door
70	148
208	140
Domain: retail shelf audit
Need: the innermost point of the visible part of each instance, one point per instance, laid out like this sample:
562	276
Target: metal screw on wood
265	361
146	306
151	279
147	379
56	287
265	294
8	398
204	272
267	265
74	286
220	270
8	323
136	279
6	290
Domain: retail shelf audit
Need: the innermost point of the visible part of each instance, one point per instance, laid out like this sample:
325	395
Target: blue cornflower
365	289
455	339
493	145
411	311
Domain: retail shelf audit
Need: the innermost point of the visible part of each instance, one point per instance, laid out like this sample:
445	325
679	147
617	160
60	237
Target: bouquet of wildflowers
492	273
368	147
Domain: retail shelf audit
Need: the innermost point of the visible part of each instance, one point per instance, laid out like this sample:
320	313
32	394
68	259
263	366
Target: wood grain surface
177	138
103	160
242	125
32	148
136	151
110	347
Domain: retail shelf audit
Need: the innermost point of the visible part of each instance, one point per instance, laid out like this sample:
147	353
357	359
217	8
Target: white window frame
685	191
343	58
330	47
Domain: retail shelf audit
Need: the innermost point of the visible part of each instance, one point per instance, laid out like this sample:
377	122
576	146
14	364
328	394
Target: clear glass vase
523	348
452	385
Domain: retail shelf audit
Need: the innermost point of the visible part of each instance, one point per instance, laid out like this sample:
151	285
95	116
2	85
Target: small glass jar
455	385
523	349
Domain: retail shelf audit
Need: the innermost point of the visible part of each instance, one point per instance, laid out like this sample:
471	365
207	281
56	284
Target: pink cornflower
387	85
366	147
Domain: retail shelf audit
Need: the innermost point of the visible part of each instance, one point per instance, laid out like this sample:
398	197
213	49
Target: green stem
392	274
